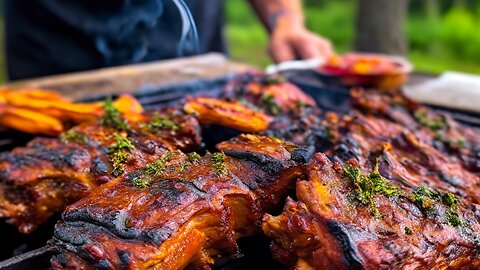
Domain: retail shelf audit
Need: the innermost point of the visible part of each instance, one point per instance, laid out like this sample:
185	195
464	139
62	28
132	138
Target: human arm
289	39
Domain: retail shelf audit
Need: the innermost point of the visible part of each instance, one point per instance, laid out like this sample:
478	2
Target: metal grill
255	249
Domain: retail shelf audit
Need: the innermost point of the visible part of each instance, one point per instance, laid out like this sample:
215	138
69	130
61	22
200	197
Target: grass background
445	36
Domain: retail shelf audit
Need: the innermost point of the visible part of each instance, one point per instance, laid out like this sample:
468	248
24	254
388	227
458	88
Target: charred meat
348	218
42	178
405	155
180	210
436	129
394	194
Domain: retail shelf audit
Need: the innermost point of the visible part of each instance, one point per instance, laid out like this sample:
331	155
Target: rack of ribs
439	130
349	218
392	194
404	154
181	210
42	178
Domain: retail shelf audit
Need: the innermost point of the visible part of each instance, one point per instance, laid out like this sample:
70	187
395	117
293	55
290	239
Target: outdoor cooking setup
166	84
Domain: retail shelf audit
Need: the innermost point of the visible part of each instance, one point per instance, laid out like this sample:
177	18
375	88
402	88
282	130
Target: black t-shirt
46	37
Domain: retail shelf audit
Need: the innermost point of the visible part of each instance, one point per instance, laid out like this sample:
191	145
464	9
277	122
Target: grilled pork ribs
349	218
394	193
181	210
460	142
42	178
393	185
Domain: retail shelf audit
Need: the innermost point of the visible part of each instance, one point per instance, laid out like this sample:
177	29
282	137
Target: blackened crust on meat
340	232
302	154
396	229
168	192
185	213
40	179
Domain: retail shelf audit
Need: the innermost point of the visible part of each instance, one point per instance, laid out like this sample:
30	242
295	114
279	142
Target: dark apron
46	37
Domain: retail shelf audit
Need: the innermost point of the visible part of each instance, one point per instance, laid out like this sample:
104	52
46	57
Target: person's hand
290	41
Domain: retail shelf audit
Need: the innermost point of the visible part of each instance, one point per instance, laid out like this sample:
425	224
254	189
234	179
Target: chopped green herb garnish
426	198
369	185
119	159
183	167
121	143
408	230
72	135
119	151
112	117
157	167
461	143
434	124
423	202
141	183
193	157
433	194
272	106
218	162
453	219
161	122
450	200
456	144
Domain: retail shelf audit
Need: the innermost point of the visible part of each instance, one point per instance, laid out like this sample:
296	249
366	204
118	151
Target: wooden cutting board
128	79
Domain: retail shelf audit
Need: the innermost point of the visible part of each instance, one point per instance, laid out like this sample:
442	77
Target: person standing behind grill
46	37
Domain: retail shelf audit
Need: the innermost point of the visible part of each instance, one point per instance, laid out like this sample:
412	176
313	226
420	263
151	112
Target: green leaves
453	219
369	185
193	157
118	160
450	200
141	183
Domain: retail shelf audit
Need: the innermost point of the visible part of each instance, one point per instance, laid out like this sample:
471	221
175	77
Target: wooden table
127	79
